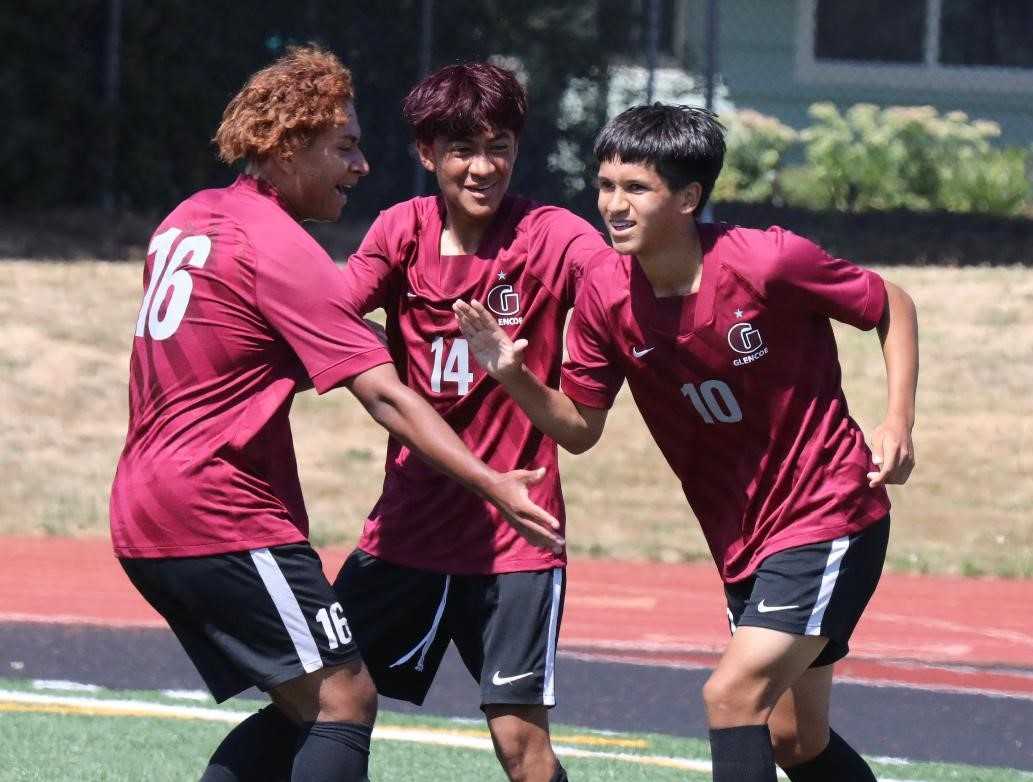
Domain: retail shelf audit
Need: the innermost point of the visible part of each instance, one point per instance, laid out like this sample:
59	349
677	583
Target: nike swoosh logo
410	294
499	679
766	609
640	352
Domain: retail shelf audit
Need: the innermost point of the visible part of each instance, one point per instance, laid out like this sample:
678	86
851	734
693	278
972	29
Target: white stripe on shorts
427	640
287	606
828	583
549	691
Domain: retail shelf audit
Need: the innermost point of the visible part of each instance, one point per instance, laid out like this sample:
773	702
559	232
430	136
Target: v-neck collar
491	241
645	303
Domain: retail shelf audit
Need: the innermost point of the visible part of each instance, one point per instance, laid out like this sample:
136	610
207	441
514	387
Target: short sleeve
569	243
583	252
591	377
807	276
303	295
369	270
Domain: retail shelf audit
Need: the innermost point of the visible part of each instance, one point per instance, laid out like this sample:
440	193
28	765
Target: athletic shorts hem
834	650
401	695
772	624
287	676
516	702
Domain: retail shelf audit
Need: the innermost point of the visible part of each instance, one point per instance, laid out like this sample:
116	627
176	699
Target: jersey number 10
167	275
714	401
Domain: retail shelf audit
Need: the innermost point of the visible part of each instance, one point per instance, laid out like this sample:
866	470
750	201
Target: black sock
742	754
837	761
333	752
559	775
260	749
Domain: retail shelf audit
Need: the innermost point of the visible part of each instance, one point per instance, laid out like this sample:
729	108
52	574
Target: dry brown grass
64	357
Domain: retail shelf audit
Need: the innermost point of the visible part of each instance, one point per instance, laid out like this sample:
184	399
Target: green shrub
756	145
798	186
996	183
906	157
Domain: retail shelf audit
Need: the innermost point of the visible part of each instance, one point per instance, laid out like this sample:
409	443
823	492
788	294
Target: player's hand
892	451
509	495
491	346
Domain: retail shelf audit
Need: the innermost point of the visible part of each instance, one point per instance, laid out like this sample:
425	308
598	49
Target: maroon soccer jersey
526	272
739	385
241	310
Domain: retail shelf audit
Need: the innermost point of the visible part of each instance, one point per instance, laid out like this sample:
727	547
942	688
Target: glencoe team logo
745	339
505	302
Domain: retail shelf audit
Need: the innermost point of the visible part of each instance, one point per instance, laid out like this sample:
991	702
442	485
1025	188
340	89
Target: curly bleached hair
284	105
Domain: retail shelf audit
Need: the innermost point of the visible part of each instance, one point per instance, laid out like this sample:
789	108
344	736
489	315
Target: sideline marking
12	617
627	656
24	702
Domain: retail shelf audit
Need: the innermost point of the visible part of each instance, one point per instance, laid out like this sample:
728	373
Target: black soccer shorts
818	589
505	627
250	618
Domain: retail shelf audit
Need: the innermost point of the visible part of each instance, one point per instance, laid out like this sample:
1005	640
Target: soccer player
724	336
242	310
435	563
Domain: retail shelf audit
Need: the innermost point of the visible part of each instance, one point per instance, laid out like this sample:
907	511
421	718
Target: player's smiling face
473	172
640	211
321	174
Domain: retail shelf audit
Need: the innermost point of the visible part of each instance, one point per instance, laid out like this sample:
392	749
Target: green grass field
49	735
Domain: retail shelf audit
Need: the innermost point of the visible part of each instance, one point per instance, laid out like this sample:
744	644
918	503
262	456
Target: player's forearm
898	332
550	410
411	420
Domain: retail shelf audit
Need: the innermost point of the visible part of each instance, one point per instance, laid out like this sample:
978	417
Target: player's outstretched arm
575	427
892	449
407	416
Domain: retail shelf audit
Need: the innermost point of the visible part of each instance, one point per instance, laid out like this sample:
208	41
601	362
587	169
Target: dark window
987	32
890	31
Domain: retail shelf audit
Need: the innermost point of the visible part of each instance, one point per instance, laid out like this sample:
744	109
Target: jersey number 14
455	368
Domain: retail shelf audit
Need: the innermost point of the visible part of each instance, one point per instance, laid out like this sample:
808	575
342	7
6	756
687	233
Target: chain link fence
112	102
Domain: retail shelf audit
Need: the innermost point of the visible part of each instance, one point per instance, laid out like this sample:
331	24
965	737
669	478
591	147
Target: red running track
930	632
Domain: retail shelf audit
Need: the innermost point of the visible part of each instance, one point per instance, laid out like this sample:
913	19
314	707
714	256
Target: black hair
684	144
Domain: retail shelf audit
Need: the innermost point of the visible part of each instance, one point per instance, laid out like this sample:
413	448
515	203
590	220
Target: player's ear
689	198
425	152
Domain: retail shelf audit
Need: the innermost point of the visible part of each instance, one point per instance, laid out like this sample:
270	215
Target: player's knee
730	701
347	694
523	752
526	766
793	743
514	752
786	747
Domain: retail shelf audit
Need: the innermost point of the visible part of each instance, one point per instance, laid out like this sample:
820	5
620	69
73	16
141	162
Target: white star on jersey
738	313
502	275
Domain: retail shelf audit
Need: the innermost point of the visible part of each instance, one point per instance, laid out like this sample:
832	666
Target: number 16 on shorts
335	625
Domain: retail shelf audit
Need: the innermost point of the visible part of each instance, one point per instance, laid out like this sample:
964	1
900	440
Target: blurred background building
111	104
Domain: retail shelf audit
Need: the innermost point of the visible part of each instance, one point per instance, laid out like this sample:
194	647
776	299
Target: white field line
648	662
78	619
439	737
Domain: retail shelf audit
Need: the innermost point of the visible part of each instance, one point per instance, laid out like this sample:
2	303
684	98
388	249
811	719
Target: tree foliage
180	63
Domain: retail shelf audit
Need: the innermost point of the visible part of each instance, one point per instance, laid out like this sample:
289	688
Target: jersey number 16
167	275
